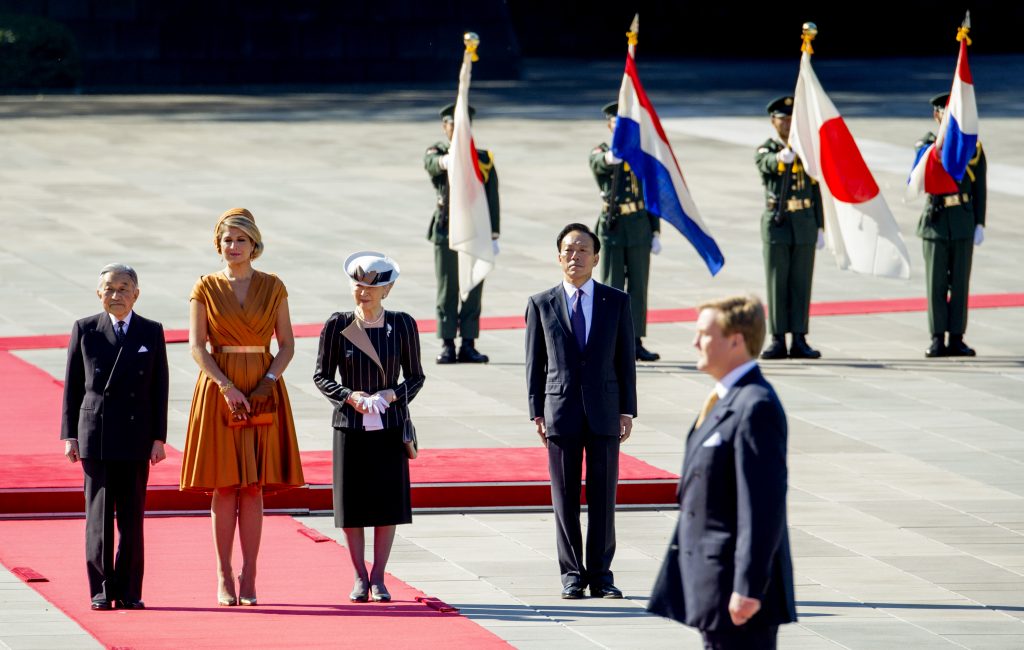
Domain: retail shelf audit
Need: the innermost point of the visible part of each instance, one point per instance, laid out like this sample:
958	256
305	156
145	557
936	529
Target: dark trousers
455	317
947	274
741	638
788	270
114	490
628	268
565	464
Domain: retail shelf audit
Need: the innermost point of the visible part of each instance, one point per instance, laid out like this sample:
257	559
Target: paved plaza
906	501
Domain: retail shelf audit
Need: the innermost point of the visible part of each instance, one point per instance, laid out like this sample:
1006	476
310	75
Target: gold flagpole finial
963	29
633	35
472	41
810	31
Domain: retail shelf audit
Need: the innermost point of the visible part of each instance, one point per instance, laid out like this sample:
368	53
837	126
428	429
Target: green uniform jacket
438	230
956	221
635	229
801	226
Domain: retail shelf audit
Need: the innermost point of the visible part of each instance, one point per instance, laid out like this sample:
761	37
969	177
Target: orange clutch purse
260	419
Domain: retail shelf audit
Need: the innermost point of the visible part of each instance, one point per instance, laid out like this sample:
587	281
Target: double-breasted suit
115	406
732	534
581	394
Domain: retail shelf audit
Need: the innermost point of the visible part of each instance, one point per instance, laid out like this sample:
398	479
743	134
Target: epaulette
763	150
432	150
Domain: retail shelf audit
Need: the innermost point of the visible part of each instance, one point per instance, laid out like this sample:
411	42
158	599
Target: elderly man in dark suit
581	380
115	422
729	572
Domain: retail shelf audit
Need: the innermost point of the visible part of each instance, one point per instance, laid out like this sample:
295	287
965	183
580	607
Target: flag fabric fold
469	219
640	140
859	227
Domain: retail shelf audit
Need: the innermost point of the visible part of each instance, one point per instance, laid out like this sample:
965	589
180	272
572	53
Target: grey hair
120	269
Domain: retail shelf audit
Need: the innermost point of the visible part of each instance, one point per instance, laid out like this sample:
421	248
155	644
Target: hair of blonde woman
743	315
243	220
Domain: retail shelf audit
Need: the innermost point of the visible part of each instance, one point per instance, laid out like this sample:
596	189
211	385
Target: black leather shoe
936	349
131	604
447	355
469	354
605	591
957	347
776	349
101	605
573	592
643	354
800	350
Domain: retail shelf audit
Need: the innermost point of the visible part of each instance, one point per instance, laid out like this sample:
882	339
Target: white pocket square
714	440
143	349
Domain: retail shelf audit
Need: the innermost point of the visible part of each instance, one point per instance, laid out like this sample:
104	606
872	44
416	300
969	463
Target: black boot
801	350
468	353
447	352
776	349
957	347
937	348
643	354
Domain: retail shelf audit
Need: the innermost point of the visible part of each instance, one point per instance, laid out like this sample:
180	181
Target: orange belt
240	349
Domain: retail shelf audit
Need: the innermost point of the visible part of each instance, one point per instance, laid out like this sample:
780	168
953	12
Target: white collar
127	320
723	385
570	288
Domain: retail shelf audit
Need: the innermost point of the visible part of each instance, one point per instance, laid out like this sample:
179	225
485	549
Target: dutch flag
640	141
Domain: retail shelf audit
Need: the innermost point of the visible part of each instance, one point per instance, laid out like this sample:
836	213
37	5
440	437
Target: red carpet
302	589
839	308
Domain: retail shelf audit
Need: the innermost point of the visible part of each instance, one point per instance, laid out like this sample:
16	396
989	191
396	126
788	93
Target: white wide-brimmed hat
371	269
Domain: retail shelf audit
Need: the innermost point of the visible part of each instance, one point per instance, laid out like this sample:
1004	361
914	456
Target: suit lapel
122	351
597	322
558	304
357	336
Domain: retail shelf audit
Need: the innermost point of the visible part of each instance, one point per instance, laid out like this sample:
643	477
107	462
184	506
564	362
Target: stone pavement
906	492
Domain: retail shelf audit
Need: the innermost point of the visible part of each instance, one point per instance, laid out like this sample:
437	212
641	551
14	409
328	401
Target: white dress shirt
588	302
114	320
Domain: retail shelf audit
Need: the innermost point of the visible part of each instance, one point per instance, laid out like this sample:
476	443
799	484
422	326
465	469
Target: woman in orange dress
241	436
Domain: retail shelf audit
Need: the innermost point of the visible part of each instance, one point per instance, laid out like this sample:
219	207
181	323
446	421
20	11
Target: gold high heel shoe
248	601
224	598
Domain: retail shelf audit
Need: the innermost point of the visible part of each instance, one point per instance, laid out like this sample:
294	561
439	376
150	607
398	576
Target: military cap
939	101
449	111
781	106
611	110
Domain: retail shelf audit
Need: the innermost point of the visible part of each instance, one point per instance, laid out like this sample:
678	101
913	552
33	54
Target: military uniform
625	259
947	230
452	318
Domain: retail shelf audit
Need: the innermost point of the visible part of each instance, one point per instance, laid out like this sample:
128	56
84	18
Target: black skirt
371	478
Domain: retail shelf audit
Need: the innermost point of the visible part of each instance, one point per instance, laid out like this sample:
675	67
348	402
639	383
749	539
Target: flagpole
633	35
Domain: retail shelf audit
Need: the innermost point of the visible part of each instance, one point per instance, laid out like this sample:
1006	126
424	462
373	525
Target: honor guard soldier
791	227
950	227
628	232
455	317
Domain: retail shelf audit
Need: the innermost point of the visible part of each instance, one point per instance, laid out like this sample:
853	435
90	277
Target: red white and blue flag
639	140
859	227
941	165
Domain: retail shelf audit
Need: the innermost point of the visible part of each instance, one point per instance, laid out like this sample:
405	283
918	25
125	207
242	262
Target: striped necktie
120	332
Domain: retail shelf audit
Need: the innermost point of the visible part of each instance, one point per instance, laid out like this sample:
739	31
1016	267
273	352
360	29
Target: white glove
655	244
979	234
444	160
786	156
374	403
821	239
611	158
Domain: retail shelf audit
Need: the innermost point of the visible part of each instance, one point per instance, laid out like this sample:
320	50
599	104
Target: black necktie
579	321
120	332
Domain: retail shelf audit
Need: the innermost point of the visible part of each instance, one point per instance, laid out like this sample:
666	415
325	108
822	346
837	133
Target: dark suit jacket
115	397
340	356
568	387
732	515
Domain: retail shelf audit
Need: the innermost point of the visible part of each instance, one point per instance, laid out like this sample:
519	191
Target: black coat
115	397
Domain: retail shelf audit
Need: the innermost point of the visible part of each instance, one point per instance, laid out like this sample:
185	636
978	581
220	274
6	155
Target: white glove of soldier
611	158
979	234
655	244
821	239
785	156
444	160
494	245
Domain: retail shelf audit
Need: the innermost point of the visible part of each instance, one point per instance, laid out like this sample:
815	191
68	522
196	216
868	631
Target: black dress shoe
131	604
469	354
936	349
605	591
101	605
777	348
800	350
573	592
643	354
957	347
447	355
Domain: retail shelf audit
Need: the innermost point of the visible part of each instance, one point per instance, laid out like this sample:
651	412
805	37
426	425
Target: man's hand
611	159
158	453
542	429
785	156
445	159
741	608
979	234
71	450
625	427
821	239
655	244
